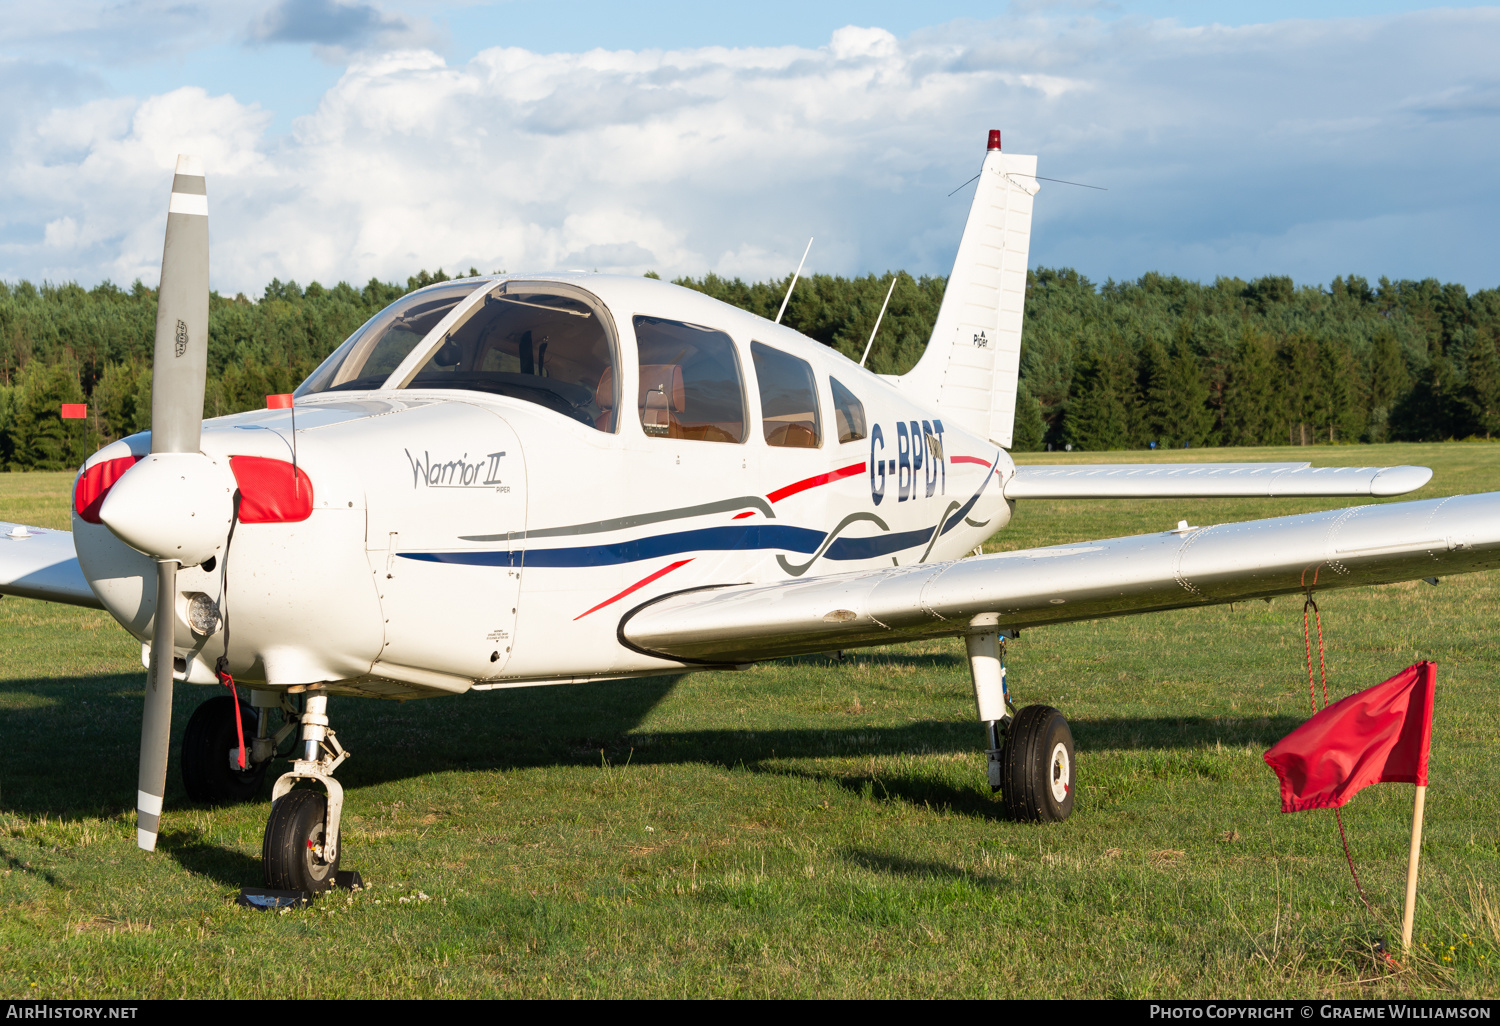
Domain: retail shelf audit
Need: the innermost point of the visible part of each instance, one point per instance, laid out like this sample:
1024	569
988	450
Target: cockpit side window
788	399
540	342
690	382
369	355
848	413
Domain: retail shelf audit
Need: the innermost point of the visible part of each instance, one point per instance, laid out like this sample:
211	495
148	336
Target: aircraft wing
1207	480
1376	544
41	564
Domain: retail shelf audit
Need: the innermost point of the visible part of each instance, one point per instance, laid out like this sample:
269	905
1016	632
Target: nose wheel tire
292	852
207	774
1037	766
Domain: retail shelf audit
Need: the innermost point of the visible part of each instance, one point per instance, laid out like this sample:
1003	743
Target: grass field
807	827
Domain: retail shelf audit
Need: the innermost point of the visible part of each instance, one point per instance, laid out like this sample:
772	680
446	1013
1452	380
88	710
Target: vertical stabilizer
972	361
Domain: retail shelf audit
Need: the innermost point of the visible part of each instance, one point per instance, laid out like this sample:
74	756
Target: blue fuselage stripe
880	545
708	539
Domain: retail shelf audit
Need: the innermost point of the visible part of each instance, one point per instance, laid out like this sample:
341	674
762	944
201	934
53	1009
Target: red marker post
285	401
78	411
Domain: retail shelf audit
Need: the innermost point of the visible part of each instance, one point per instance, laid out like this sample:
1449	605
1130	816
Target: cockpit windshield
369	355
541	342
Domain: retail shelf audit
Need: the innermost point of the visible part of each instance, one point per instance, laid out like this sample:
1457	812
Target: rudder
972	362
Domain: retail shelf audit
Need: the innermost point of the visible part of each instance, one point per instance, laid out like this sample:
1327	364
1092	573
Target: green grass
802	828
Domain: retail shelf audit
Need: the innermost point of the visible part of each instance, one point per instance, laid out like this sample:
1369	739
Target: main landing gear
211	771
1031	751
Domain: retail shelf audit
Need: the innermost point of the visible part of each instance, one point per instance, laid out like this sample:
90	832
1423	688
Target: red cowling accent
94	484
1379	735
268	492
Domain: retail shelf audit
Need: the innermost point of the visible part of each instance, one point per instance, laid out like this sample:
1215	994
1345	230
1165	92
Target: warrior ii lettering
459	473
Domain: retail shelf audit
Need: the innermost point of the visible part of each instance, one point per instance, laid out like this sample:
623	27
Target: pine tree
1336	416
1030	428
1099	410
40	438
1429	412
1250	401
1176	409
1295	405
1389	380
122	401
1480	396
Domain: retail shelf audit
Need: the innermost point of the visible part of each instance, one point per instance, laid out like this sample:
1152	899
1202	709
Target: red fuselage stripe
747	513
970	459
635	587
814	482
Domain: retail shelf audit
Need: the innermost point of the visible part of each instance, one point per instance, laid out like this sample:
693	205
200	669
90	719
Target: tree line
1120	365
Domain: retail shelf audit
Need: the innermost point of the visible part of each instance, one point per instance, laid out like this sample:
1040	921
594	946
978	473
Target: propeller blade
179	367
156	724
179	371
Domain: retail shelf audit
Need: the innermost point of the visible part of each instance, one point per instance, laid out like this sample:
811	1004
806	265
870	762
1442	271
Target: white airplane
464	497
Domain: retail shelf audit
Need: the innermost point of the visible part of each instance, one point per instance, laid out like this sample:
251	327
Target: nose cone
172	506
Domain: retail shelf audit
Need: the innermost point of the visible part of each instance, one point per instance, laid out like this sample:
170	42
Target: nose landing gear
295	851
300	851
1030	752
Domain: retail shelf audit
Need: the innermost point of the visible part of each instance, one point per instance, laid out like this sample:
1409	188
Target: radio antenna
873	330
793	285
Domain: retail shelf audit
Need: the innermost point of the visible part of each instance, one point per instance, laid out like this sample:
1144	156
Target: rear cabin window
848	413
369	355
543	343
788	399
690	385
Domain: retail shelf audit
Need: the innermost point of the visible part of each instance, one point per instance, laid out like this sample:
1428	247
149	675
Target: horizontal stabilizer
1208	480
41	564
1195	566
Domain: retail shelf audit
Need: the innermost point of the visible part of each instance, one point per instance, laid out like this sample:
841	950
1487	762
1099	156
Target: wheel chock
264	898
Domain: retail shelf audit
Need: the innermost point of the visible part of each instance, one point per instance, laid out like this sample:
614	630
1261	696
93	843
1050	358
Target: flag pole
1411	866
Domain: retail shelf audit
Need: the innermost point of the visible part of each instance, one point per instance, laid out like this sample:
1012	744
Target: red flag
279	402
1379	735
75	411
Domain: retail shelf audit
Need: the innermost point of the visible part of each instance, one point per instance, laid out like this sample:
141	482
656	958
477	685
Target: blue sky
350	139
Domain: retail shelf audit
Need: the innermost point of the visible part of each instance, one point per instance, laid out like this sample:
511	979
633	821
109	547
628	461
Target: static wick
785	299
1041	178
878	319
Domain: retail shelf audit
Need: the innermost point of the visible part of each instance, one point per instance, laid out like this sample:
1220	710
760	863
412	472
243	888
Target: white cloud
1310	148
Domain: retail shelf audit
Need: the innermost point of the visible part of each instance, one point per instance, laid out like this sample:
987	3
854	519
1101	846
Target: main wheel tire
1037	766
206	744
293	846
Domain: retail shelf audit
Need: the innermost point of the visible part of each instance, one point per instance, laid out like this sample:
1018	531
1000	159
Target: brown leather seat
792	435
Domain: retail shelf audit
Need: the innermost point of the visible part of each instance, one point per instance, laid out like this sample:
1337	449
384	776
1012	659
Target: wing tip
1399	480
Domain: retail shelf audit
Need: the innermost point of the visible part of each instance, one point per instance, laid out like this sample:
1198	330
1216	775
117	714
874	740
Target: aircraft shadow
917	869
222	865
71	744
71	749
